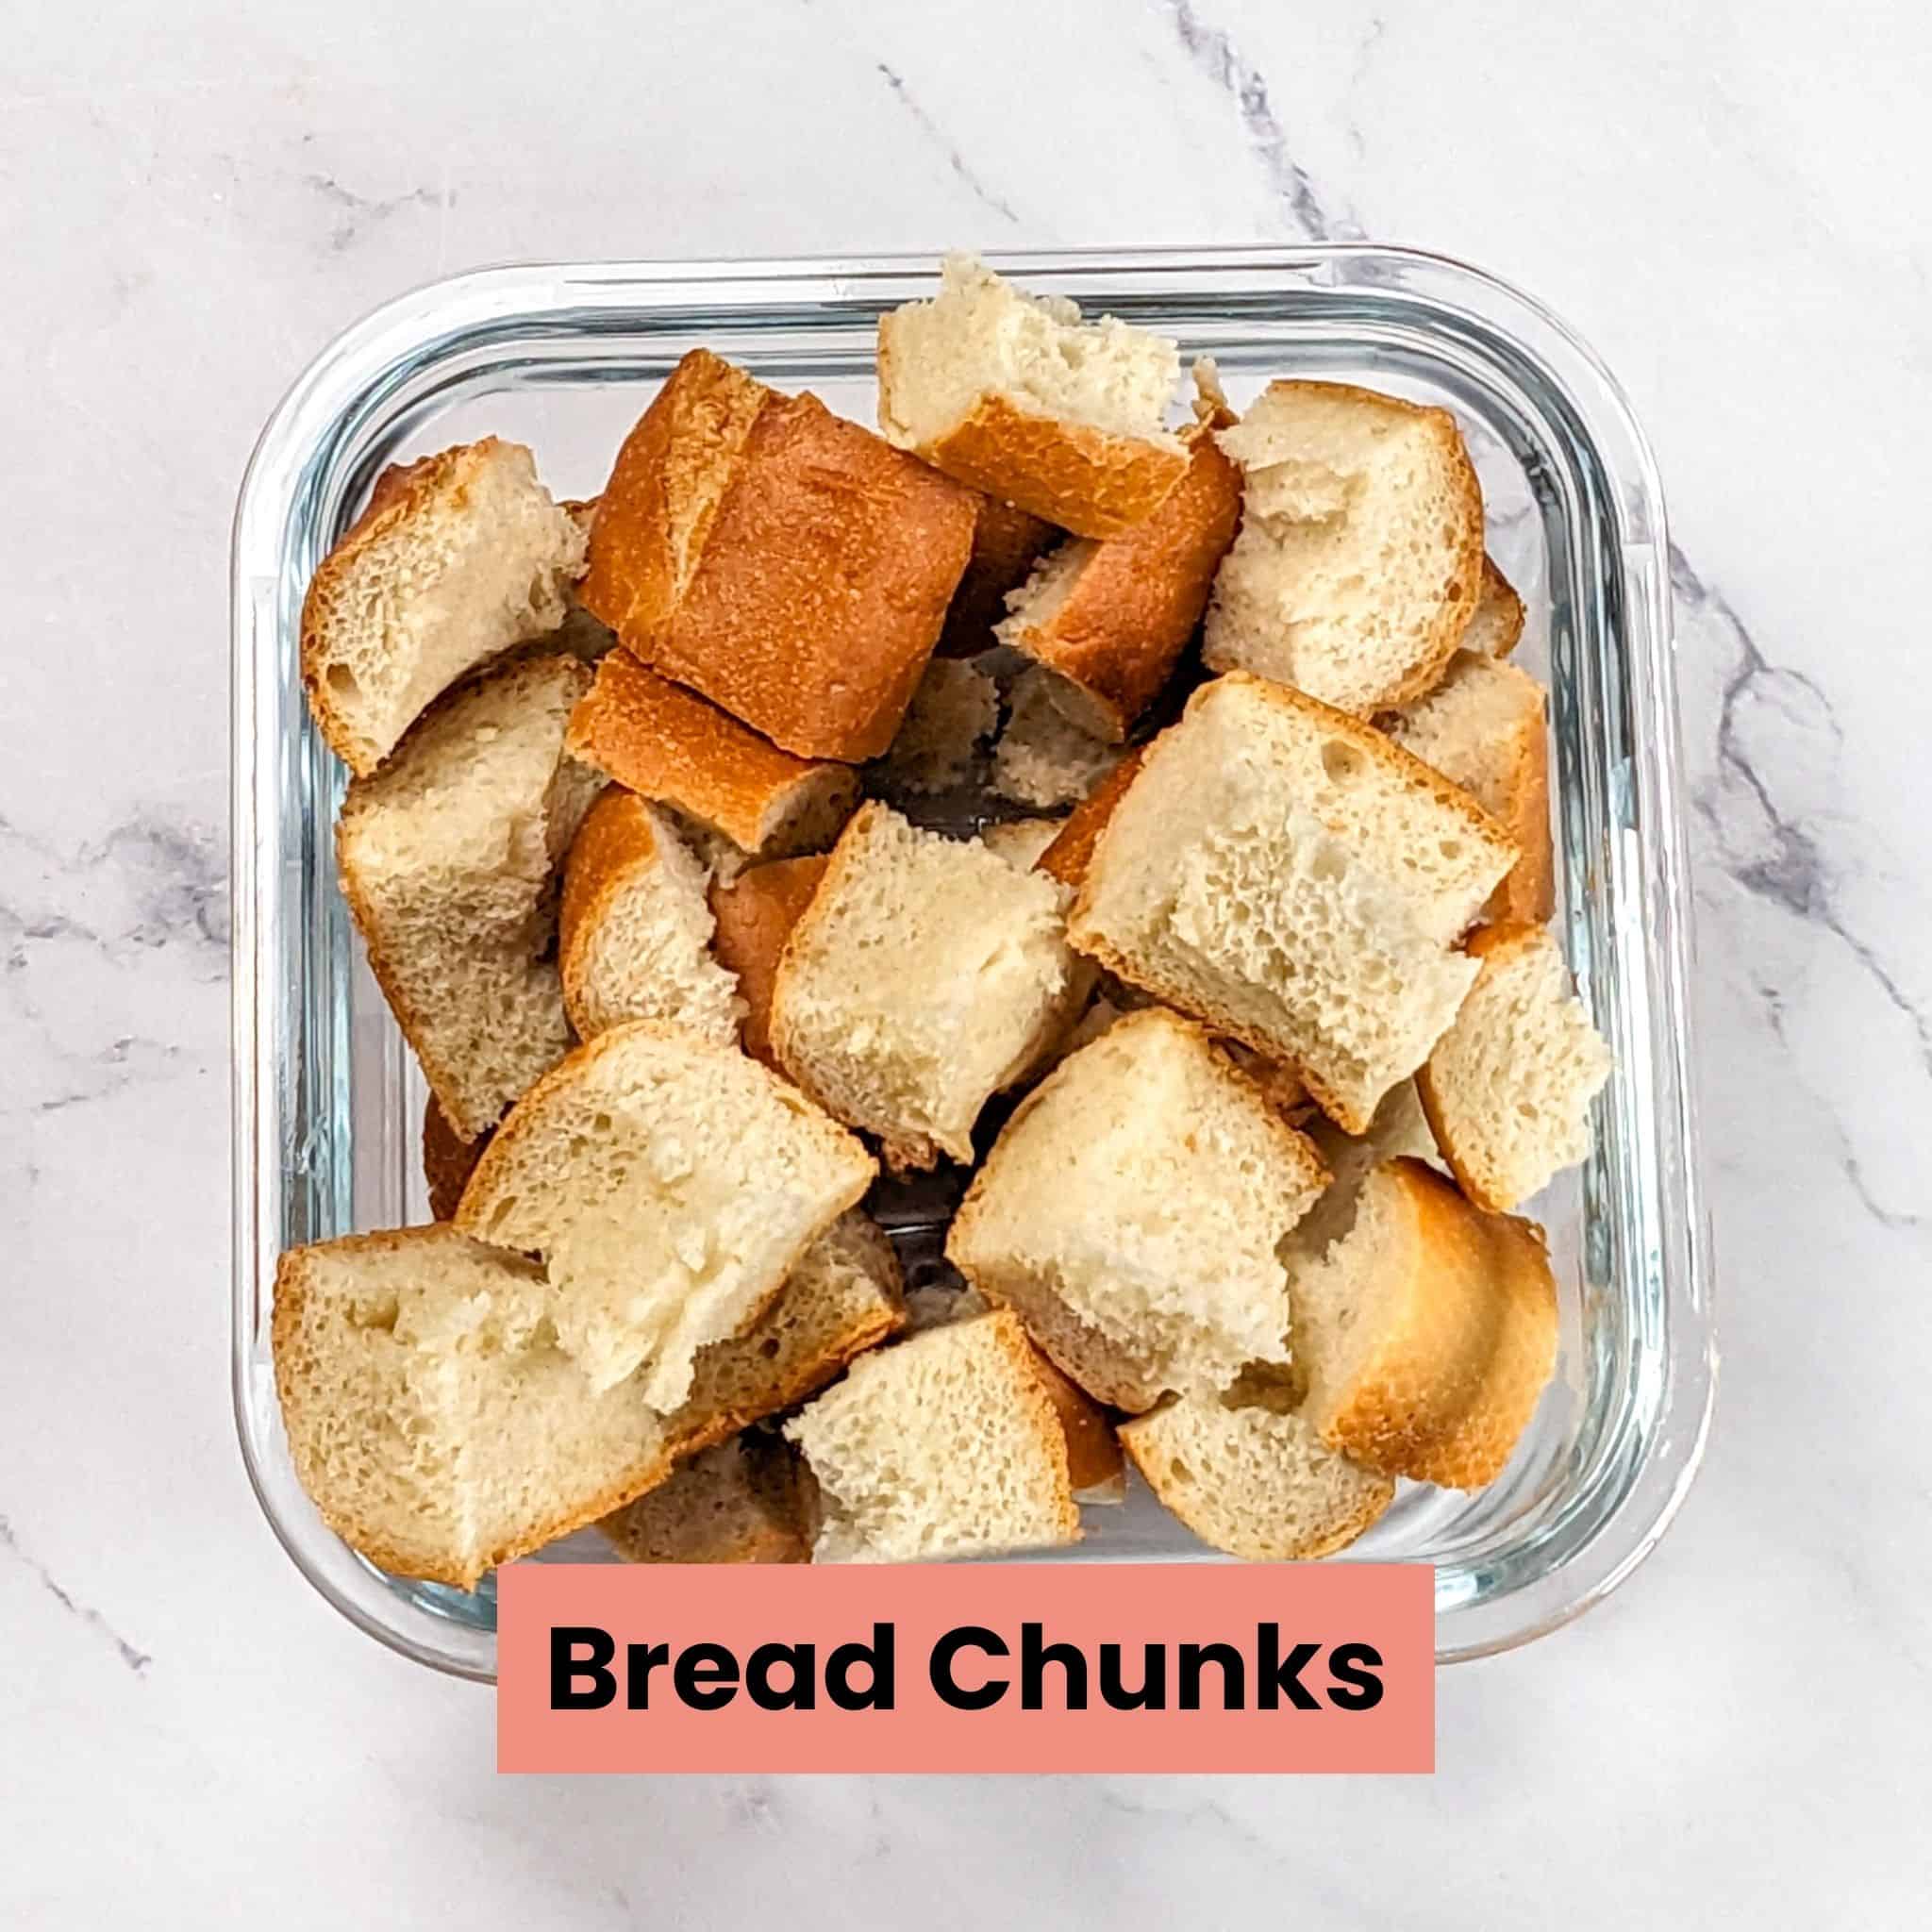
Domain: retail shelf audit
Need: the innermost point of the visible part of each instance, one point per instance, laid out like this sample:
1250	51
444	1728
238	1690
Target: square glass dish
328	1103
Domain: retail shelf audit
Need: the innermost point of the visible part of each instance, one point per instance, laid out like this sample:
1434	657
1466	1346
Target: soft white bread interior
949	1445
1285	872
1495	626
669	1185
1399	1128
1508	1088
635	939
1256	1483
1042	758
458	557
924	975
448	857
439	1428
1482	727
1359	558
1425	1337
1016	396
1021	842
1141	1190
956	708
737	1501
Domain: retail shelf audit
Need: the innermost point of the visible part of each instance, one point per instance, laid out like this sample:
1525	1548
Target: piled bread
681	839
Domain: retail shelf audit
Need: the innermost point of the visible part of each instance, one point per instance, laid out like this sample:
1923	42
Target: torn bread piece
1361	552
1509	1089
956	708
1483	728
440	1429
737	1501
667	745
456	557
925	975
1130	1211
1286	873
1007	542
1042	758
669	1185
786	563
448	857
1109	620
960	1441
1017	396
1251	1481
634	938
1495	626
754	913
1427	1334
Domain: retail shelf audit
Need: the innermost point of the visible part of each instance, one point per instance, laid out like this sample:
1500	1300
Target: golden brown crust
1094	1451
657	510
1528	891
1044	1393
1135	601
400	494
1447	1392
756	913
1067	859
1005	543
664	743
1090	481
448	1159
789	565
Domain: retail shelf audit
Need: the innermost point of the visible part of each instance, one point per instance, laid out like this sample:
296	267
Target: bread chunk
1427	1334
1286	873
667	745
1253	1482
669	1185
786	563
456	557
1109	620
1017	396
925	975
448	857
1131	1209
441	1430
1507	1090
635	937
1483	728
955	1442
1359	559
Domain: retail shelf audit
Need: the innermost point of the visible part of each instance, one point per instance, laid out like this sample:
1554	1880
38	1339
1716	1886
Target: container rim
352	371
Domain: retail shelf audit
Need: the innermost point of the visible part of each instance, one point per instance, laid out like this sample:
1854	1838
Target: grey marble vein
1786	863
1213	53
986	196
136	1661
358	212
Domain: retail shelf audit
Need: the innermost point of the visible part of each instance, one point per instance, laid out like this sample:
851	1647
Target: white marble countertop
1731	207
